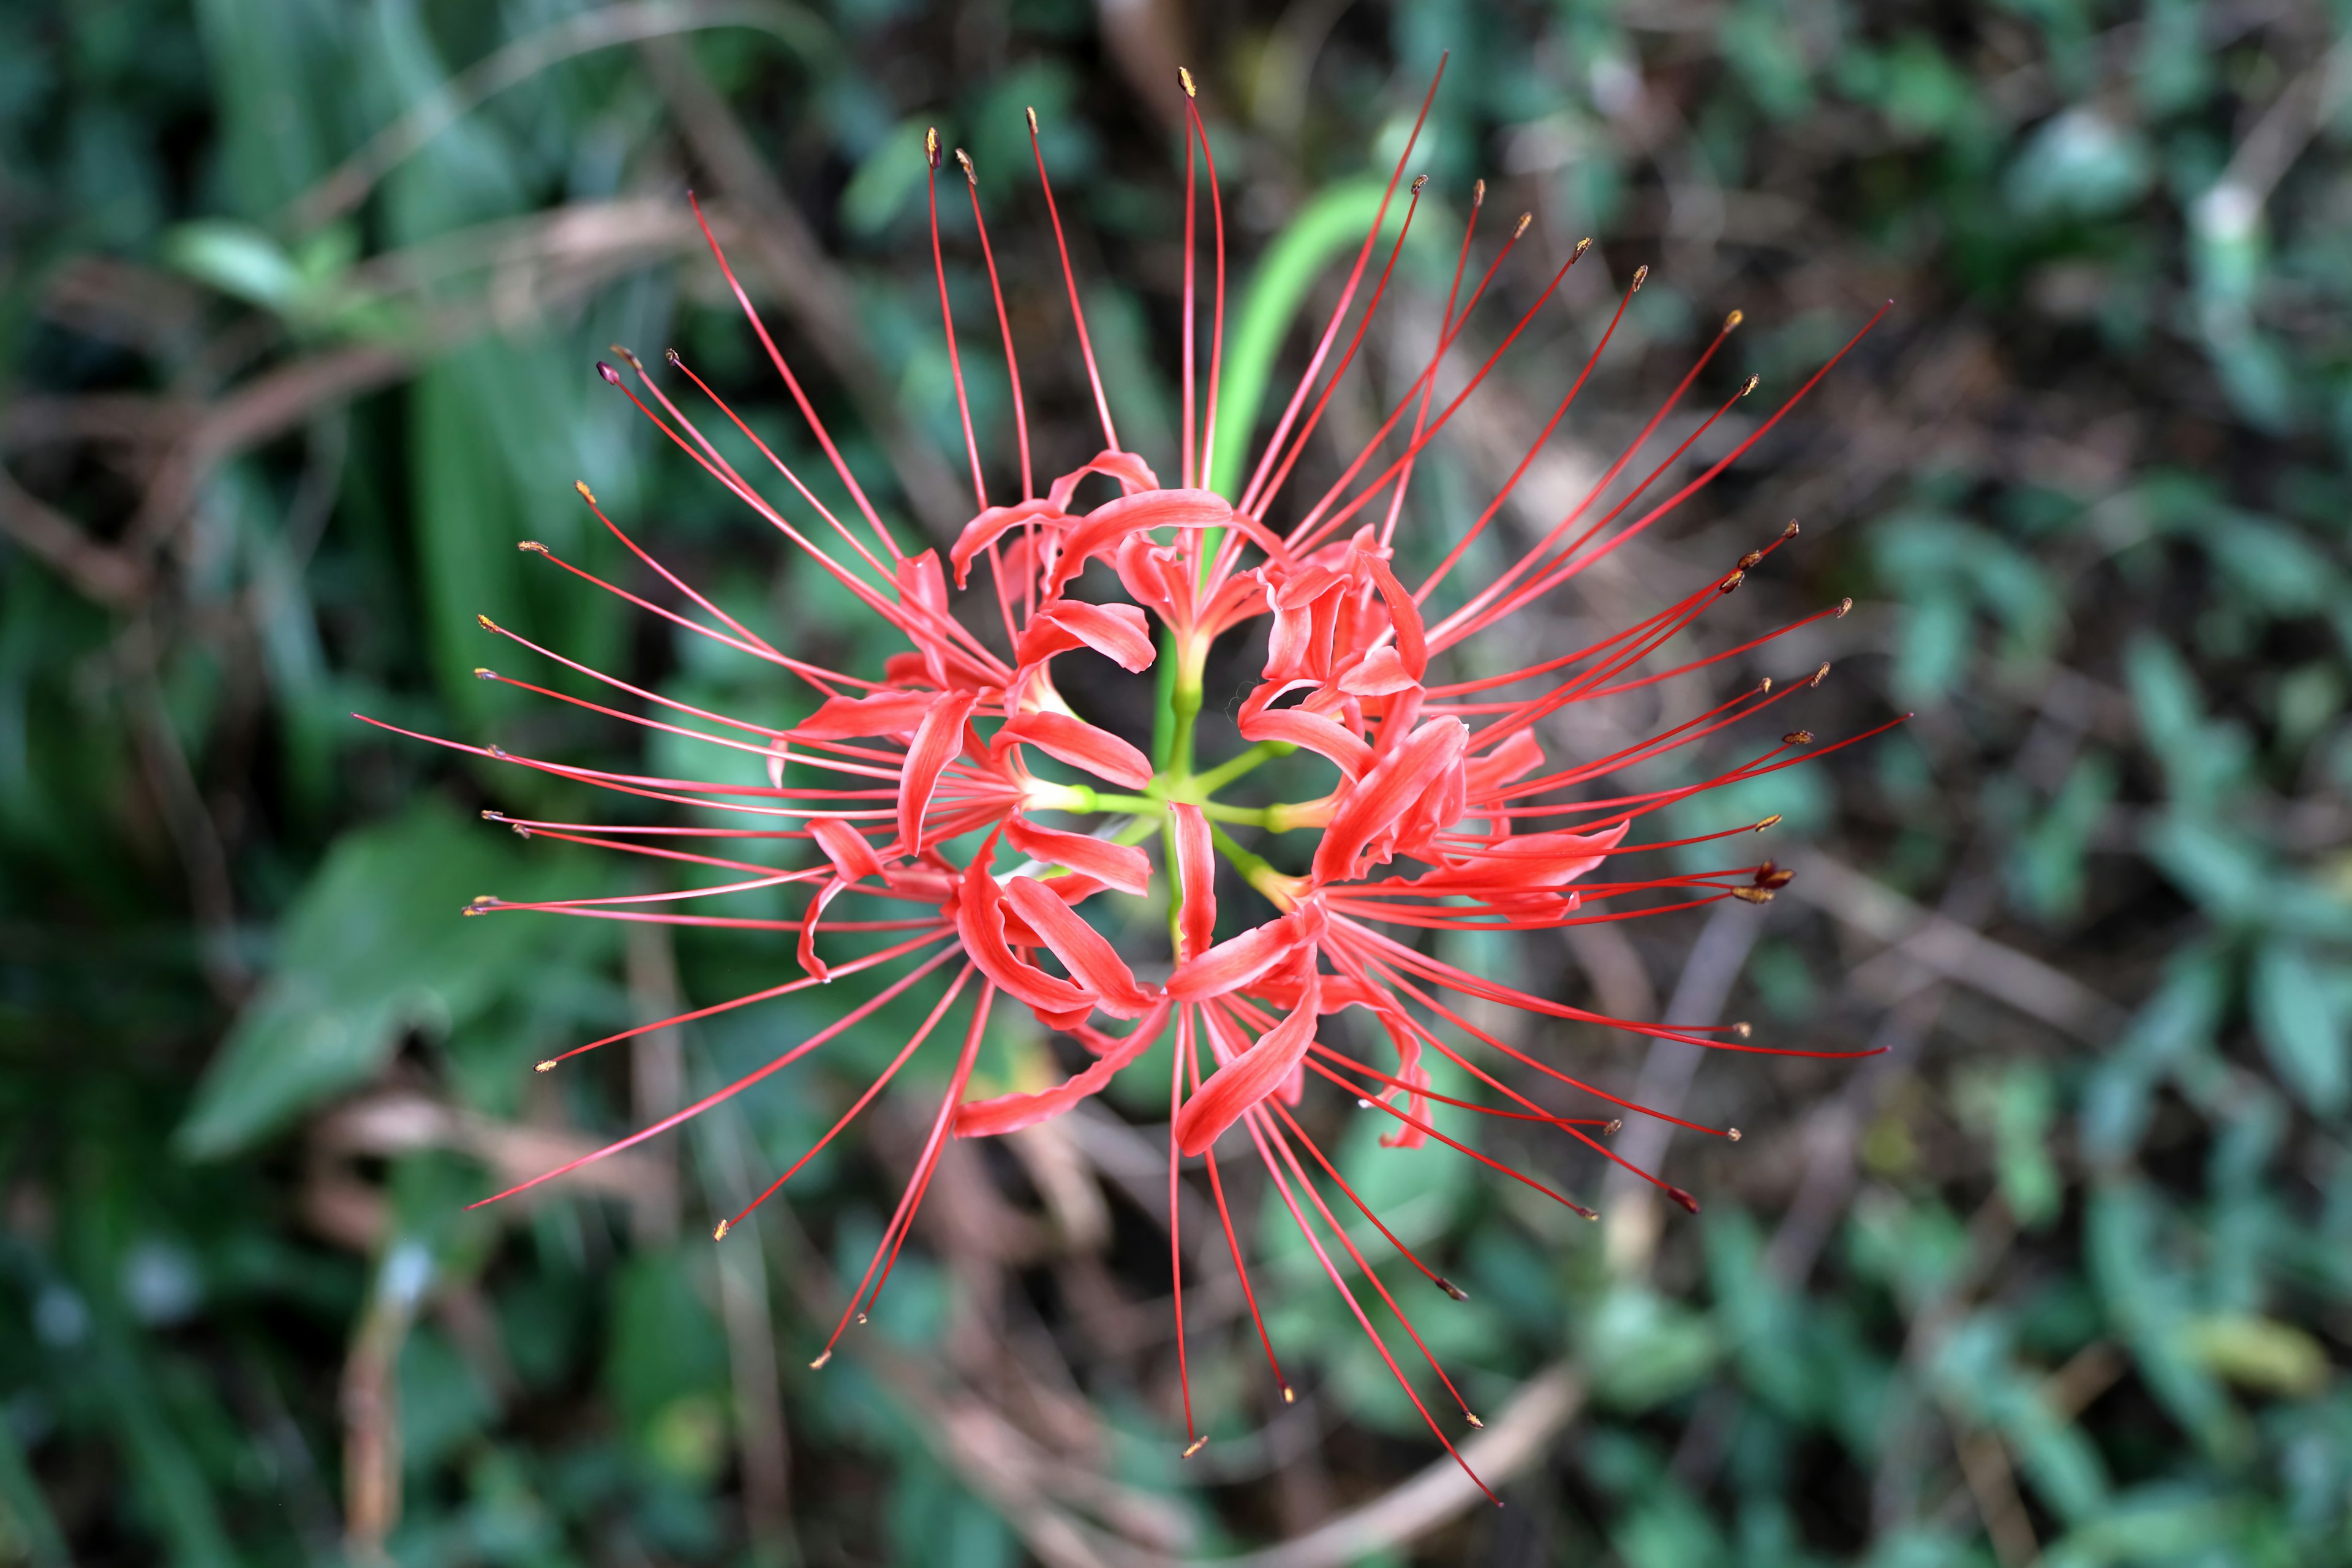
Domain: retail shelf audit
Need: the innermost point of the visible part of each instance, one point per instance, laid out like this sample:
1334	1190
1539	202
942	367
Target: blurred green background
299	301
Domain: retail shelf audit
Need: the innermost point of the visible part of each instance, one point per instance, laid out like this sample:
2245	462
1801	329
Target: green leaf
237	259
373	947
2302	1029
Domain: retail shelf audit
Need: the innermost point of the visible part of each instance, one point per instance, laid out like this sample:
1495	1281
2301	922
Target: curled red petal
1084	951
937	740
846	847
1381	673
980	921
1196	878
1120	866
865	717
1102	528
1233	963
1396	783
1247	1079
1117	632
1412	641
1010	1112
992	525
1317	733
1081	746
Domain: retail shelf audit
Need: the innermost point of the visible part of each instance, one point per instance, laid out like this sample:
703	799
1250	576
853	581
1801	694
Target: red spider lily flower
951	842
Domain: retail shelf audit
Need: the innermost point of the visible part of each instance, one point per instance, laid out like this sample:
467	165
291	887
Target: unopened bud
608	372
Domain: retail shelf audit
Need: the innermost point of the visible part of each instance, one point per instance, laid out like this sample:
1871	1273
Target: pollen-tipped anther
608	372
1749	385
1033	119
1616	1124
1185	78
1289	1394
585	494
628	356
1751	896
1473	1416
1640	276
1451	1289
482	674
1843	605
532	546
1743	1029
1821	675
719	1232
1789	529
818	1364
1733	319
1732	1133
1419	183
1749	560
1764	686
1771	821
1478	193
1582	247
1798	738
1525	219
547	1066
970	175
1728	583
931	146
486	624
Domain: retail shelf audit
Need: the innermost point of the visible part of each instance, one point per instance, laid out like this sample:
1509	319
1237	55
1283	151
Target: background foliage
298	300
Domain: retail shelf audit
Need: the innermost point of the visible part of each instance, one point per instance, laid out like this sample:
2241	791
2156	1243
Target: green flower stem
1226	771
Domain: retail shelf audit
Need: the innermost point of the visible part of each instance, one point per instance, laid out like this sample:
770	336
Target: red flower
916	789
